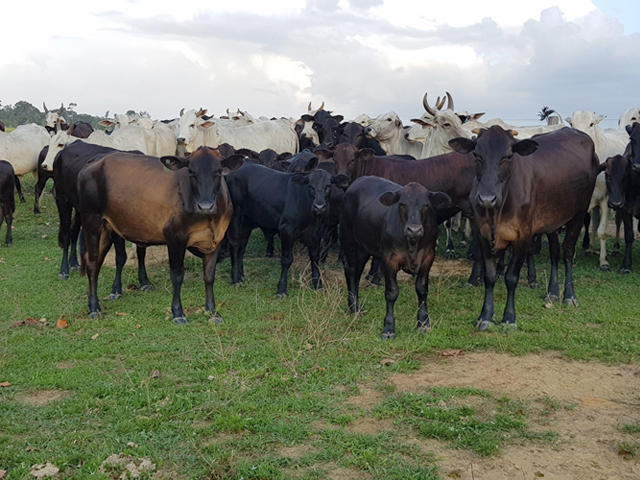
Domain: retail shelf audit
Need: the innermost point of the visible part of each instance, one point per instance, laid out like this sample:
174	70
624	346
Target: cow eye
591	125
447	124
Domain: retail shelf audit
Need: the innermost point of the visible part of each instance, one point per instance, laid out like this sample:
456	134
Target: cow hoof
95	315
625	271
615	253
571	302
8	244
424	329
451	254
388	336
147	287
217	319
483	325
63	276
605	267
508	328
115	296
281	296
74	268
237	284
180	320
533	285
551	298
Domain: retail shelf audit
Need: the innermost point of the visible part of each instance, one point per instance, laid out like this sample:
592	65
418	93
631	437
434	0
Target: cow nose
487	201
320	208
206	207
181	140
414	231
615	204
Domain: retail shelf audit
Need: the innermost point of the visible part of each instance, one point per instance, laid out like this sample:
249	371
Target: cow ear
629	128
462	145
300	179
389	198
341	181
207	124
307	118
311	165
440	201
174	163
599	118
365	153
284	156
525	147
323	153
284	164
106	123
233	162
603	166
338	118
52	130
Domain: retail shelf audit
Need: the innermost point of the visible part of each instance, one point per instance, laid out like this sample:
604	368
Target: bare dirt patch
370	426
367	399
155	255
295	452
42	397
592	401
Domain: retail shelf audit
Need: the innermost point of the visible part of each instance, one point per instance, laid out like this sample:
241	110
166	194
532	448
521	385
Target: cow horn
426	106
514	133
201	112
61	109
46	110
228	114
450	101
440	103
309	108
182	112
321	107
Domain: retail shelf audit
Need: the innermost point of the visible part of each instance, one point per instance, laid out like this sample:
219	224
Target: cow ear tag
164	166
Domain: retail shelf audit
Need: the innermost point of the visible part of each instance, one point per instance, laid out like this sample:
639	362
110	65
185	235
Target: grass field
266	395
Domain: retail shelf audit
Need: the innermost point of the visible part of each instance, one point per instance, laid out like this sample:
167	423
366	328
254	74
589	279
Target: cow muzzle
487	201
413	231
320	209
206	207
615	204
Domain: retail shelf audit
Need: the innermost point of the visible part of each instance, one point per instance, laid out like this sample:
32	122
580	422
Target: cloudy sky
505	58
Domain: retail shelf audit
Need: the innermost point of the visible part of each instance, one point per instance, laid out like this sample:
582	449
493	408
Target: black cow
353	133
523	188
289	204
66	168
397	224
188	208
622	173
7	199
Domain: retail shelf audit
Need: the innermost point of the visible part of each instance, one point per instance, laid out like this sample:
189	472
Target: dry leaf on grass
62	323
2	473
120	314
44	471
451	352
26	322
155	374
5	384
387	361
95	336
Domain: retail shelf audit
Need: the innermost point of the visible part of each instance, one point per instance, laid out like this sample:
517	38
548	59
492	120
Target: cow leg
486	315
177	250
40	186
269	237
314	258
121	259
97	242
616	244
73	242
19	190
355	260
391	292
450	251
238	234
519	252
553	291
628	242
476	254
5	215
209	262
422	290
586	241
145	284
286	259
604	213
374	274
64	232
568	250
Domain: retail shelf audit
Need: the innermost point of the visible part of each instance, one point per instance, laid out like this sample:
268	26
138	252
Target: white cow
364	120
439	126
129	137
628	117
53	118
22	147
522	132
160	138
387	129
194	130
608	143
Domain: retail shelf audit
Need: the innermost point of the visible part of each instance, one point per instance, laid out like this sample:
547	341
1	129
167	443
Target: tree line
22	113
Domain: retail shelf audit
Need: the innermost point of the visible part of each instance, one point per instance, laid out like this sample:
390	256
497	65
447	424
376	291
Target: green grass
230	401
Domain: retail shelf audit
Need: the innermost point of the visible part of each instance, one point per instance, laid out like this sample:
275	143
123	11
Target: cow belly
137	230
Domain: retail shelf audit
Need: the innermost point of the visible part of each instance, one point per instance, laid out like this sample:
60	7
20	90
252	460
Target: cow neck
496	216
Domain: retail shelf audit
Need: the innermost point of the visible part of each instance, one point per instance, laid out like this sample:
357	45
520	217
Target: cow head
188	125
319	183
628	117
59	140
385	127
344	156
53	119
585	121
633	148
206	168
494	151
417	208
617	175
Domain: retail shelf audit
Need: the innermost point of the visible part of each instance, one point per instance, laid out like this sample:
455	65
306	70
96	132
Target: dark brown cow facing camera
397	225
185	207
523	188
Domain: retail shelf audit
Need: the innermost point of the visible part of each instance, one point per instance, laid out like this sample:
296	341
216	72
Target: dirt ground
594	400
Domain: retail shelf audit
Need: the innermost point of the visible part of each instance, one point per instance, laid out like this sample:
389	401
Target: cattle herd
373	186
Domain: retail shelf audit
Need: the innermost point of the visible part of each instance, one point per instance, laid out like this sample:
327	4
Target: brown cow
523	188
134	197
